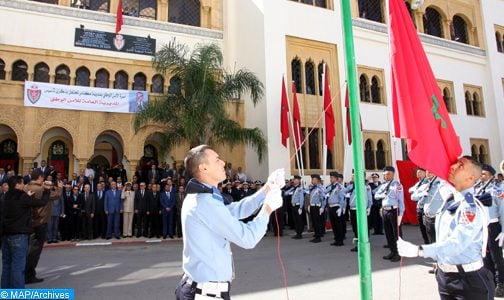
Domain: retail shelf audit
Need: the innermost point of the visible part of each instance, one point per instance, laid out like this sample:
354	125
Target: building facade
462	38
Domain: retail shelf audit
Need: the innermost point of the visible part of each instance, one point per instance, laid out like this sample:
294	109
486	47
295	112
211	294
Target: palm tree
193	111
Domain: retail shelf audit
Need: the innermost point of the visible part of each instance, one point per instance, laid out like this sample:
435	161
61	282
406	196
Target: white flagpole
293	135
324	130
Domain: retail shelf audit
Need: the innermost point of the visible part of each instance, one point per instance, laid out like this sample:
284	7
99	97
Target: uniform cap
389	168
297	177
420	169
258	182
333	174
339	175
375	175
489	169
316	176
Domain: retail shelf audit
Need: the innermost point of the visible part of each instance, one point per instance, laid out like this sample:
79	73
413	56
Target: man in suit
113	208
73	207
27	178
178	211
155	211
120	172
153	174
142	210
100	219
88	210
44	169
3	176
168	201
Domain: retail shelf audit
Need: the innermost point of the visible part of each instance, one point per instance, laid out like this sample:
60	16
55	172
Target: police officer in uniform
461	236
392	195
376	221
317	207
297	201
419	188
336	204
353	206
494	260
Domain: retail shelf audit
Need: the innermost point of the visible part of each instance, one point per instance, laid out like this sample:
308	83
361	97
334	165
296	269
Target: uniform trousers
376	219
298	219
353	221
128	223
430	228
337	223
391	230
475	285
420	216
494	260
316	221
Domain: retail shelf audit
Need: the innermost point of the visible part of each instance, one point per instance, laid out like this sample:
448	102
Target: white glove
339	211
407	249
300	211
321	210
500	239
276	179
274	199
343	210
368	211
399	220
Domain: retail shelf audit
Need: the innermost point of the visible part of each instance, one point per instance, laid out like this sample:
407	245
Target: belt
296	204
353	208
214	289
419	206
318	204
334	205
475	266
389	207
430	216
494	220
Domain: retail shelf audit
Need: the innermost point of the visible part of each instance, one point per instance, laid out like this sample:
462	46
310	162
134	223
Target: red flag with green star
420	115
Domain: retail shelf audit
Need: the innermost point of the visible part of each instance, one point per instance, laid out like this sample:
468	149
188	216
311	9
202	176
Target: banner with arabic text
49	95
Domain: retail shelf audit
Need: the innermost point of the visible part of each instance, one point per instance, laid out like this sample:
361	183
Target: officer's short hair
478	167
194	158
36	174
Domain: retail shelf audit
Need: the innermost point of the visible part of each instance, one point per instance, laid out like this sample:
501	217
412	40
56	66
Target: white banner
60	96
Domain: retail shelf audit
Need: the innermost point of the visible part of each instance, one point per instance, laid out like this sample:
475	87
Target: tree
193	111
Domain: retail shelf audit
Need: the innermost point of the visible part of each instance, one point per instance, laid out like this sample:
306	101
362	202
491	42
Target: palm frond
241	82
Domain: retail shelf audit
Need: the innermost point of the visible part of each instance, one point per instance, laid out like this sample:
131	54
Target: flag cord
279	255
398	227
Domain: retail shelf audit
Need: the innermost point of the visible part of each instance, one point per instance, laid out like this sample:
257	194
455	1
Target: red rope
280	260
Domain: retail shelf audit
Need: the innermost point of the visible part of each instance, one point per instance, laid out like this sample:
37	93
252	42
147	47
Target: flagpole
293	134
300	149
366	286
324	129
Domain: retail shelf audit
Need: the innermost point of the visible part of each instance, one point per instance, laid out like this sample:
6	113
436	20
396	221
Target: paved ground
314	271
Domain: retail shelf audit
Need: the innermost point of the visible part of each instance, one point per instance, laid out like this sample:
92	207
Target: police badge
34	94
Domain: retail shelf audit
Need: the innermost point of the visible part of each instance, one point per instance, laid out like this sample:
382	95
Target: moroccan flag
420	115
284	119
119	20
330	132
296	117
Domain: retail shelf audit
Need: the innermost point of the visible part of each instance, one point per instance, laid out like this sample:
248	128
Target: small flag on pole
329	114
119	20
296	116
284	119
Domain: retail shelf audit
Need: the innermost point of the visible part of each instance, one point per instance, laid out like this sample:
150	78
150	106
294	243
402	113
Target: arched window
460	33
147	9
174	87
447	99
498	40
474	152
381	161
468	103
476	105
41	73
121	80
482	155
62	75
375	90
310	77
139	82
187	12
433	22
2	69
364	89
157	84
82	77
102	79
369	156
320	71
19	71
371	10
313	147
296	74
99	5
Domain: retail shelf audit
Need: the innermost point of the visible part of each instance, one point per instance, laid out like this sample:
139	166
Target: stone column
25	163
162	10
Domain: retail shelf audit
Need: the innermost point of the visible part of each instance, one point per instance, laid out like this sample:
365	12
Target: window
320	70
82	77
474	100
369	160
121	80
157	84
375	90
498	41
460	33
19	71
371	10
314	148
381	160
2	69
185	12
62	75
296	74
364	89
102	79
310	78
41	73
140	8
447	93
318	3
139	82
433	22
174	87
99	5
479	150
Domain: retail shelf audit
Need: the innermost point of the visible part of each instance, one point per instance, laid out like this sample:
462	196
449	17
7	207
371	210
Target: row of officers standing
338	202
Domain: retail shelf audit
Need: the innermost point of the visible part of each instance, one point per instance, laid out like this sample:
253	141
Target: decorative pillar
162	10
25	163
418	18
206	17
